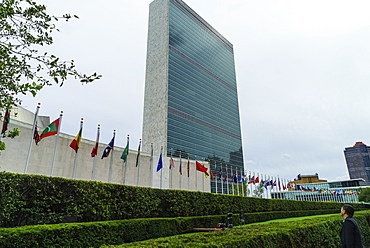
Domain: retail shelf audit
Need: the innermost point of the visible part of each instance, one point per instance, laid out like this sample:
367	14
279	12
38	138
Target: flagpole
111	159
138	165
32	134
56	144
170	172
94	163
188	170
216	177
161	179
151	165
196	175
226	182
222	181
180	168
203	181
76	156
125	170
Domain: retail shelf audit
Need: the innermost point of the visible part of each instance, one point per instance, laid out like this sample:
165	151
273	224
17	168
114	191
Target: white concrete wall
13	159
156	78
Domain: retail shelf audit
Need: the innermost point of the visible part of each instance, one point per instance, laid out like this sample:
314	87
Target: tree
258	191
364	195
25	26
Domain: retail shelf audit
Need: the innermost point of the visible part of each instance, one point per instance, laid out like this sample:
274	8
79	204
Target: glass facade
203	111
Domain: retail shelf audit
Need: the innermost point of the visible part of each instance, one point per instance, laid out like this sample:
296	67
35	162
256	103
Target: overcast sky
303	70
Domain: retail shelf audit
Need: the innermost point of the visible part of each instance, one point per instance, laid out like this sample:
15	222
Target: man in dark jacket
350	235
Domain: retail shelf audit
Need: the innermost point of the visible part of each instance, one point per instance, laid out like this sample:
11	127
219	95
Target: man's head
347	211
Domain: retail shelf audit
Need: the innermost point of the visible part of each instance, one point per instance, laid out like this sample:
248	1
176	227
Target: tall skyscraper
191	100
358	162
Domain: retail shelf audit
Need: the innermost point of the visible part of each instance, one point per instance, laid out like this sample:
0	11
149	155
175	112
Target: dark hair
349	210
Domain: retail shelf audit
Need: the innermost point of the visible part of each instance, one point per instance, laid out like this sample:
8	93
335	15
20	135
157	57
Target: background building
302	179
336	191
191	100
358	162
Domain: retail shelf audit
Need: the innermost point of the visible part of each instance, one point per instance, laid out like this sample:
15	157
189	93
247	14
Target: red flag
6	121
94	151
212	176
257	180
36	135
172	163
188	168
200	167
76	143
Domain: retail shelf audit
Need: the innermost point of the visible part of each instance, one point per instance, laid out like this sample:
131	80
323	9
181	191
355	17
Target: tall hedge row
33	199
96	234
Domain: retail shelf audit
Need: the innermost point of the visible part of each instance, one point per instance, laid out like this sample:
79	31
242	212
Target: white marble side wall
156	79
13	159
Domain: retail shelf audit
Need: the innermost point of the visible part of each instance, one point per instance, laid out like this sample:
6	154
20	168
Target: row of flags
222	175
325	190
54	128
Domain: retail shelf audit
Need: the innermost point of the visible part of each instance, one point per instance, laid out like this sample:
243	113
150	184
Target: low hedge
96	234
316	232
34	199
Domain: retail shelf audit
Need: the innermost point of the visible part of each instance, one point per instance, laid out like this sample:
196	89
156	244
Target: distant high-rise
358	162
191	100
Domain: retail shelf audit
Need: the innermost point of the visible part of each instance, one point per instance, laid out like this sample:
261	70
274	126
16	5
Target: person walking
350	234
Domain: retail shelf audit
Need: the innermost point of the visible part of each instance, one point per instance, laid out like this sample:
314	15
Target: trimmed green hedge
316	232
33	199
96	234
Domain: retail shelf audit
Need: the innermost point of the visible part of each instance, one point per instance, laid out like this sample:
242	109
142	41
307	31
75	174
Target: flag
125	152
188	167
76	143
200	167
6	121
219	175
160	164
138	154
206	174
257	180
36	135
212	175
235	178
108	149
94	151
180	166
51	129
172	163
251	180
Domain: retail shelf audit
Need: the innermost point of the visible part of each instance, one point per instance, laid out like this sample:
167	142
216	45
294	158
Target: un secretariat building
191	101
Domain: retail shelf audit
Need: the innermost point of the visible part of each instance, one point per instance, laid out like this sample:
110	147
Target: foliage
315	232
25	26
241	189
258	191
364	195
96	234
34	199
11	134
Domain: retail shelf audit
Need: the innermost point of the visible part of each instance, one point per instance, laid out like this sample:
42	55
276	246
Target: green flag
51	129
125	152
